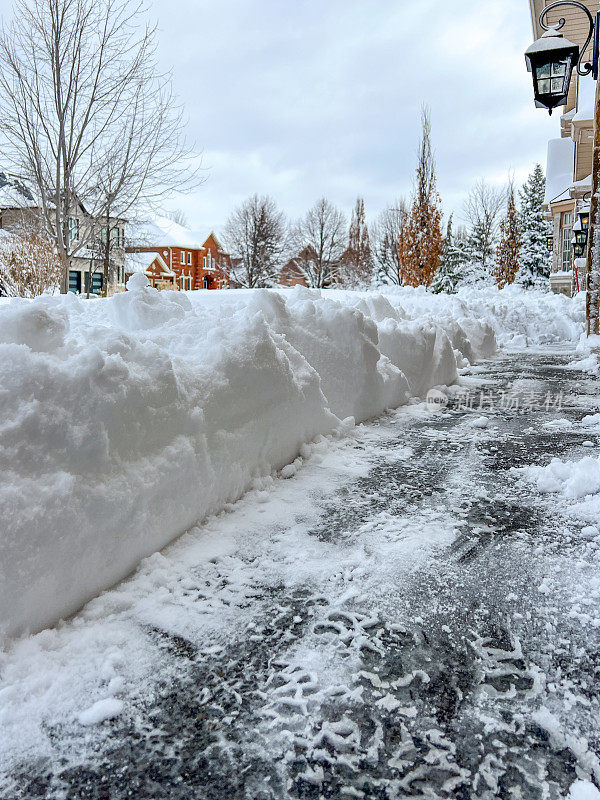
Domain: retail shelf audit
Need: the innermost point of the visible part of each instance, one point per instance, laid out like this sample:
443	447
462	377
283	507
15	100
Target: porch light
580	231
550	242
551	59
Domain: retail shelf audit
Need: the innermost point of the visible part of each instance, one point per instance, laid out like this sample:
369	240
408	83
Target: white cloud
322	97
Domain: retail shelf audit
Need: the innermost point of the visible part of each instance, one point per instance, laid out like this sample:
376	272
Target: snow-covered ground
125	421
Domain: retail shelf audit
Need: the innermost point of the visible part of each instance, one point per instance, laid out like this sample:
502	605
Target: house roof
163	232
14	193
141	262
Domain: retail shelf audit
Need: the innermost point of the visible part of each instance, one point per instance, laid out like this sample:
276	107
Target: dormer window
73	229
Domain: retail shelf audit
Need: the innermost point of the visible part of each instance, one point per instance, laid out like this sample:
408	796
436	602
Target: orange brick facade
205	267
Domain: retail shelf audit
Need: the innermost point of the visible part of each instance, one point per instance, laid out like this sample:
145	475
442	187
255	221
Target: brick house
195	261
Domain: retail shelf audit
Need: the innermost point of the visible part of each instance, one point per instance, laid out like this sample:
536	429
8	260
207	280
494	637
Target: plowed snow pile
124	421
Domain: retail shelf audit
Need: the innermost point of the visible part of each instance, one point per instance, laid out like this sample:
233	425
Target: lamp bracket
593	31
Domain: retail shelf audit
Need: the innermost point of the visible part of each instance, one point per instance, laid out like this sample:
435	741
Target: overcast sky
304	98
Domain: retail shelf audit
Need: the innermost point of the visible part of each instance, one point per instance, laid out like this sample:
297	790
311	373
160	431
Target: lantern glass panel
543	71
585	221
544	86
559	69
557	85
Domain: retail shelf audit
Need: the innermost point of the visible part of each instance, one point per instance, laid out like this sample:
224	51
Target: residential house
294	272
198	262
20	212
569	165
154	268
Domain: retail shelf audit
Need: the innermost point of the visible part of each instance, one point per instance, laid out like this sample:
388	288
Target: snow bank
515	317
576	482
124	421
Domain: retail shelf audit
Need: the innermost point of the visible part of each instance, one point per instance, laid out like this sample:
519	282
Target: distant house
20	212
197	262
154	268
296	270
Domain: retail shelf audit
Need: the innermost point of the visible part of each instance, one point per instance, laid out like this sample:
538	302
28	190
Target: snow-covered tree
452	263
535	259
386	232
357	260
420	245
507	252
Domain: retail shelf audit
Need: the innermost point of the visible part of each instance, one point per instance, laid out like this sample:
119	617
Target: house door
206	282
74	281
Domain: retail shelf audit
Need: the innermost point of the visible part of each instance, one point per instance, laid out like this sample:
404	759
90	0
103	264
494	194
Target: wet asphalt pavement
469	677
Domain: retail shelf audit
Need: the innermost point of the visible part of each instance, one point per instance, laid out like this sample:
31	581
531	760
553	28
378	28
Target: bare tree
386	232
178	216
86	118
255	235
483	211
319	240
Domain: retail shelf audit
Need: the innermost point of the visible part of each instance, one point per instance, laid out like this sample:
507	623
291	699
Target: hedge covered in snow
124	421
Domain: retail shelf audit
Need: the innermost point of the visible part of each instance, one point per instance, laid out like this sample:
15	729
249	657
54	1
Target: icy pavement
403	617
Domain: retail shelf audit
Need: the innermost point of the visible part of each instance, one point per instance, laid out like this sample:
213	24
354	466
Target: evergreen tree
535	259
357	260
507	253
420	246
451	263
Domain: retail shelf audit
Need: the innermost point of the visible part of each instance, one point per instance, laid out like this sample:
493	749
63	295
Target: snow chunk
102	710
583	790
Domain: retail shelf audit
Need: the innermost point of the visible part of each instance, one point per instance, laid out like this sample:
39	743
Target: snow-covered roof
584	184
163	232
559	169
586	99
141	262
14	194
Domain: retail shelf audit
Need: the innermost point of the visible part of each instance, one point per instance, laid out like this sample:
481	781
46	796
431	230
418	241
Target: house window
182	259
73	229
567	235
204	262
189	258
74	281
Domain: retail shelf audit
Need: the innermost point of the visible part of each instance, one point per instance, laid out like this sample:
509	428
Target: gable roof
141	262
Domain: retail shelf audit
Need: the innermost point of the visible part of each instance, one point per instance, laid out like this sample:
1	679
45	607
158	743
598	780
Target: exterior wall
584	150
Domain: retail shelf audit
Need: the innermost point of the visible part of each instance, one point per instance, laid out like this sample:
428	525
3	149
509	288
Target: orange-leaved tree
420	245
507	252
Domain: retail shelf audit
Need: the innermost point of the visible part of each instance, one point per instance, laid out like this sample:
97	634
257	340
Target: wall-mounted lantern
551	58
